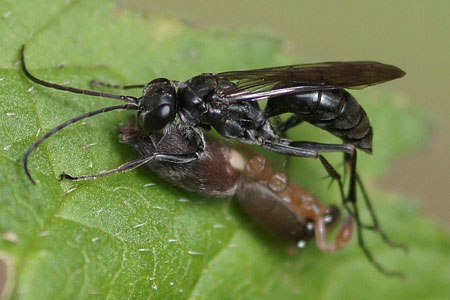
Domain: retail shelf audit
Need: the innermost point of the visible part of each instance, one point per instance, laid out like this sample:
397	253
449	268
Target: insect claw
325	177
331	182
393	244
63	176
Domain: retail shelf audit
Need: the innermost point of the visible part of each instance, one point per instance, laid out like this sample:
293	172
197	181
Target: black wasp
229	103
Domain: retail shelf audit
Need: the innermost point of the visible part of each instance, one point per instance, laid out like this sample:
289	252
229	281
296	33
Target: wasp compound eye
157	105
155	119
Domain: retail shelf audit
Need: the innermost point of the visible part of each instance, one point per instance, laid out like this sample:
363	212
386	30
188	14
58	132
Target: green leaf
121	237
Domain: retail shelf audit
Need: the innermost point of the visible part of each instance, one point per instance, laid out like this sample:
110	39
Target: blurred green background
414	35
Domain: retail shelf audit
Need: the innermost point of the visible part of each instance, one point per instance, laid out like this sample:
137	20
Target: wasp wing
277	81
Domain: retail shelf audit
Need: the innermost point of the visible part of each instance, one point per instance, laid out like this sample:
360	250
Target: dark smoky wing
262	83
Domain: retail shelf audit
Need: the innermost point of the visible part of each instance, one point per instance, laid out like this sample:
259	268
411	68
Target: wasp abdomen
335	111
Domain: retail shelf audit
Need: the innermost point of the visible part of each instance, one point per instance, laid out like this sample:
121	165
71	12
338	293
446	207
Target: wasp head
157	106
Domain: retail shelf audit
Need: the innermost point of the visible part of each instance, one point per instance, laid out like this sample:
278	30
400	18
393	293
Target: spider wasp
182	111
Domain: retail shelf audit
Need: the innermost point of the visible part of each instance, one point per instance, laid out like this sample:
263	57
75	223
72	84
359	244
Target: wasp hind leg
349	200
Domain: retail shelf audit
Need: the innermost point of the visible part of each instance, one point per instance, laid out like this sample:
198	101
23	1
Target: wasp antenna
67	123
52	85
95	82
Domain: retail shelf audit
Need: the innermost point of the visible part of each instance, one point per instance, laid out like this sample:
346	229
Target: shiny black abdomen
335	111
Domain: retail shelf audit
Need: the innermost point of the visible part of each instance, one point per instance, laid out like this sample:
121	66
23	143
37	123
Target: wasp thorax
157	105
